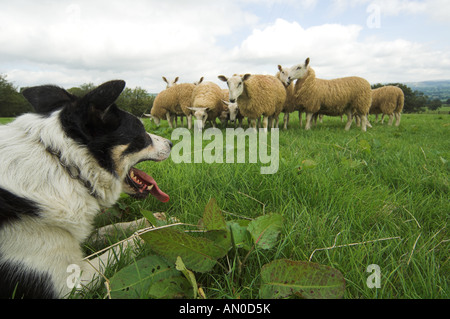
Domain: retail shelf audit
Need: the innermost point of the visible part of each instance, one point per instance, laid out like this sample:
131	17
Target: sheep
257	95
170	83
388	100
329	97
289	104
174	100
206	104
231	111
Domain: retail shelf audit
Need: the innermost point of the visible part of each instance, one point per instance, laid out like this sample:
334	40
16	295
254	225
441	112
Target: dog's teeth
149	188
132	174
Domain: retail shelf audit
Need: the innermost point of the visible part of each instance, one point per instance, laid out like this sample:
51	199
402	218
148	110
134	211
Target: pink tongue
155	191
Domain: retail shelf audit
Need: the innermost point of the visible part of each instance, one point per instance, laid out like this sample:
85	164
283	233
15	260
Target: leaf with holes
265	229
198	253
284	278
135	280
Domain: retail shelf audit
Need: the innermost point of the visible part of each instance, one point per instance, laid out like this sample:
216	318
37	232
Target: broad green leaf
152	218
171	288
188	274
198	253
221	238
265	229
134	280
212	217
241	237
283	278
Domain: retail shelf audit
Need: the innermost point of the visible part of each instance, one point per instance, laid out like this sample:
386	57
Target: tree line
12	103
138	101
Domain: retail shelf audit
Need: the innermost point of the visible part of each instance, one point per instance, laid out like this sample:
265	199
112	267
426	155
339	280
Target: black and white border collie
58	168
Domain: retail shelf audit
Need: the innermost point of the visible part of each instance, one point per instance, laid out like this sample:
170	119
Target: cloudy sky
69	43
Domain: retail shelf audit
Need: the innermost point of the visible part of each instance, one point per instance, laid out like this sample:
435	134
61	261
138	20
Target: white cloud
70	43
338	50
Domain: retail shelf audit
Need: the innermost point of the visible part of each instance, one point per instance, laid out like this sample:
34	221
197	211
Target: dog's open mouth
143	185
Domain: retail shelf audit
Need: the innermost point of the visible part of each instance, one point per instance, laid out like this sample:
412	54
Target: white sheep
172	101
388	100
170	83
289	105
231	111
329	97
206	101
256	96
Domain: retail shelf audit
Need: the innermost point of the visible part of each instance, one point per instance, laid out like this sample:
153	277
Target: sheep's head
233	110
201	115
235	85
297	71
170	83
283	75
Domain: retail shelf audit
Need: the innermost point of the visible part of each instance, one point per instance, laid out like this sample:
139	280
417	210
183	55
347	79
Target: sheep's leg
285	120
382	118
252	124
397	118
277	119
189	121
265	123
258	120
349	120
376	118
169	119
300	118
321	118
367	121
363	123
308	120
358	120
391	118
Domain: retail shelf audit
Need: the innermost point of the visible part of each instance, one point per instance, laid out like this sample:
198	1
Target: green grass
390	182
386	191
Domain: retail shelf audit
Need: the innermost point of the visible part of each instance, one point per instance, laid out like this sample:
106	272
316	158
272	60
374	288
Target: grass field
380	197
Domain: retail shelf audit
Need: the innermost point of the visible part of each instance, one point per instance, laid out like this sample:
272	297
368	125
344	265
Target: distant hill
433	89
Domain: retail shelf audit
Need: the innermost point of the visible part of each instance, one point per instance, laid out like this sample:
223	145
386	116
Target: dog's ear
47	98
101	108
105	95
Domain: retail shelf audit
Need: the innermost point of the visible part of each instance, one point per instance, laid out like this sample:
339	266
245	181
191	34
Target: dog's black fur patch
12	207
18	283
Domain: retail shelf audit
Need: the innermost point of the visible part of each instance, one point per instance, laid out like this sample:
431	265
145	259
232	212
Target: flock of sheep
266	96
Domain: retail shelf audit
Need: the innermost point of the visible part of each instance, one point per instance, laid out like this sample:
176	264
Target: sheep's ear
280	68
223	78
226	102
165	80
246	77
201	80
176	80
306	62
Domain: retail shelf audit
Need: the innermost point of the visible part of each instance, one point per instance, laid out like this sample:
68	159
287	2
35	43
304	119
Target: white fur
51	242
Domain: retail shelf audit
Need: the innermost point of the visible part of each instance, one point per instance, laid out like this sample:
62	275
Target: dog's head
115	138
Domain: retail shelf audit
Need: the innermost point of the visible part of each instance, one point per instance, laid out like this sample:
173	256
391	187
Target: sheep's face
201	115
235	85
233	110
297	71
284	74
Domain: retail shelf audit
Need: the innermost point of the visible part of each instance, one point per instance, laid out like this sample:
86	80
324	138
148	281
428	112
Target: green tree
12	103
434	104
